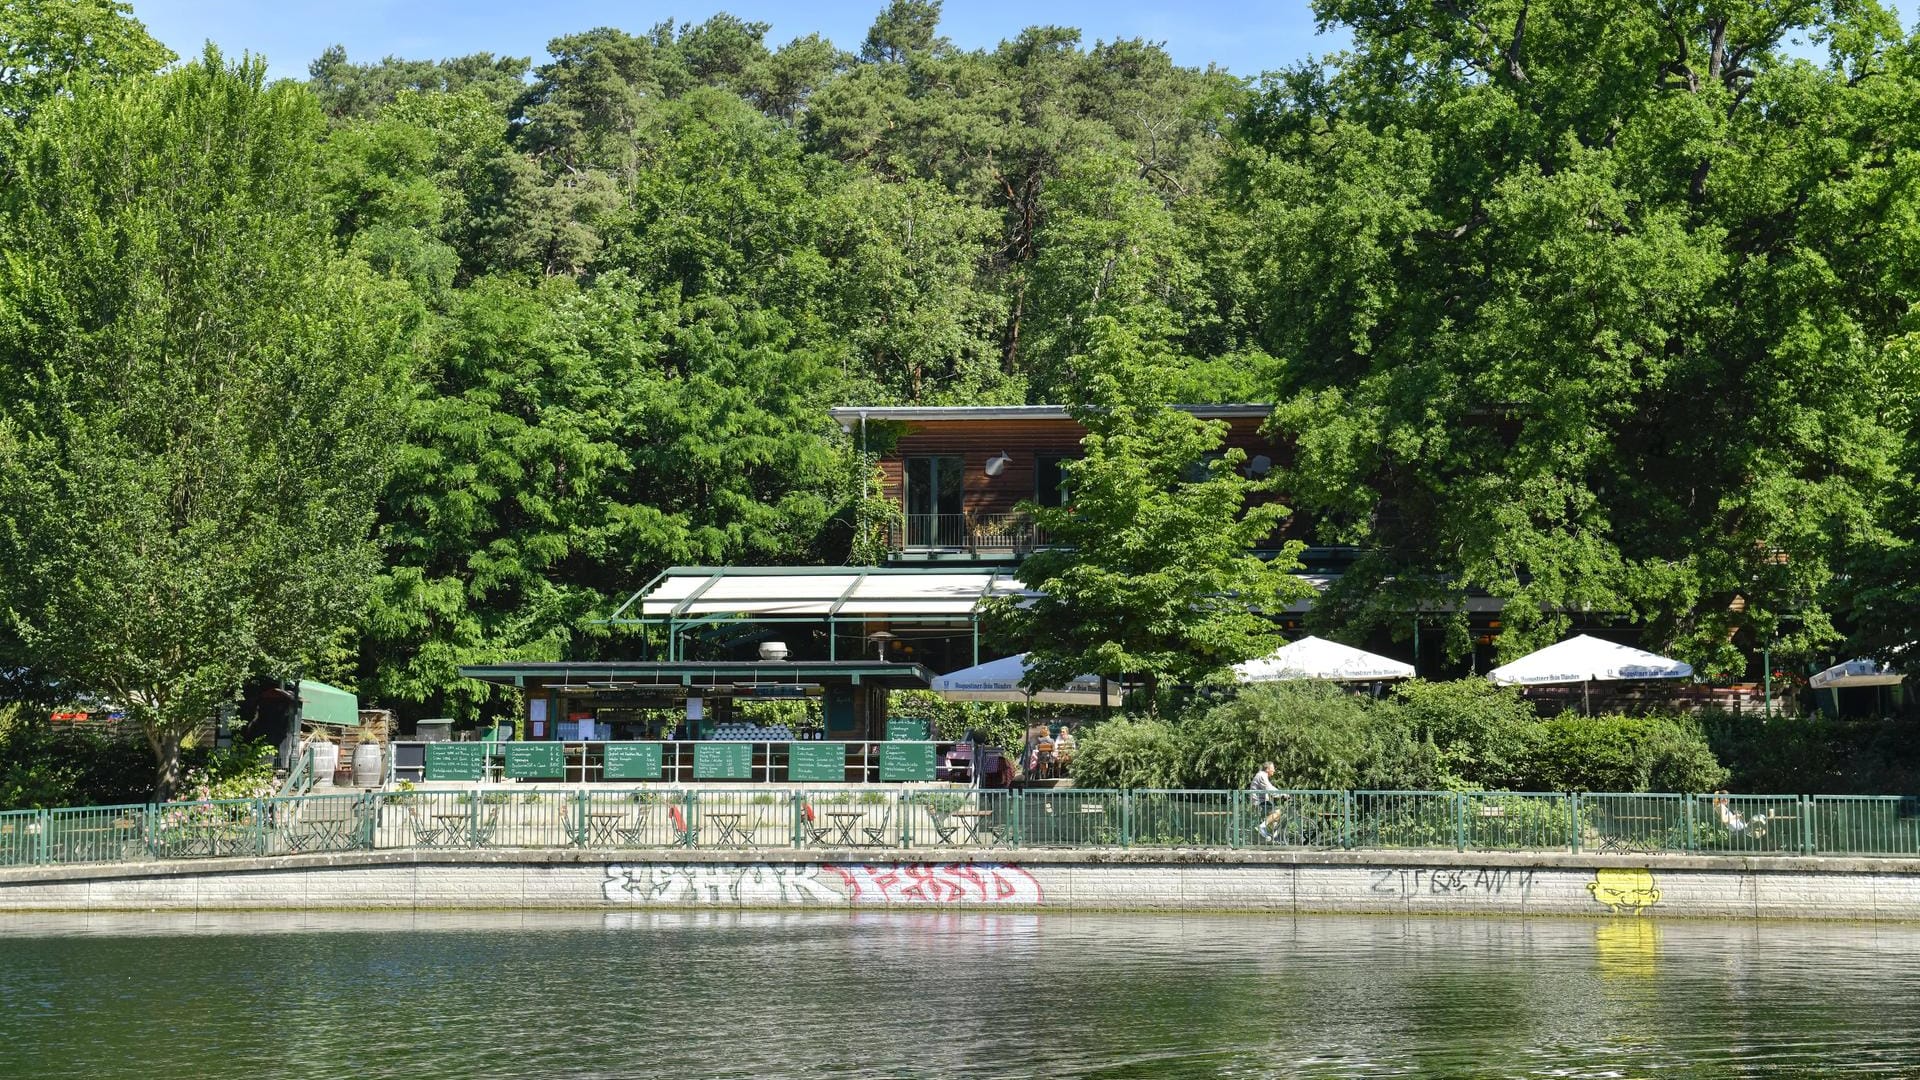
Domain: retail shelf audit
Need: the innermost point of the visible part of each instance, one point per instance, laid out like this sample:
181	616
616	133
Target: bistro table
602	827
962	828
731	834
844	822
451	829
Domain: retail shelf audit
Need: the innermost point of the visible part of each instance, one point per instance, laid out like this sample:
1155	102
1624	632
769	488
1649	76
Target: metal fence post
580	812
904	812
1809	842
473	817
1019	802
1692	841
1459	821
1233	819
797	810
262	817
1573	835
1126	817
1346	820
42	843
690	801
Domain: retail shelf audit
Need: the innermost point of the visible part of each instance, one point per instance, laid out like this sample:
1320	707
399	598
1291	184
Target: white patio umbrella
999	680
1857	673
1318	658
1587	659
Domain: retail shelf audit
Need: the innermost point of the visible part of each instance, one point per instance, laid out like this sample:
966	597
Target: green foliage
1815	754
1485	734
1623	753
199	417
44	765
1153	572
1316	734
51	45
1128	752
1594	309
243	770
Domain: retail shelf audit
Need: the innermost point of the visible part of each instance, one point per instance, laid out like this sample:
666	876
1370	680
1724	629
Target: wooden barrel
366	765
326	758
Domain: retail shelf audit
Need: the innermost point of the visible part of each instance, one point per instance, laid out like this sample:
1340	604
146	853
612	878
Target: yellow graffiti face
1624	890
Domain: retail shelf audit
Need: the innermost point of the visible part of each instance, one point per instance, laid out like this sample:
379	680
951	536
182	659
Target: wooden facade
984	521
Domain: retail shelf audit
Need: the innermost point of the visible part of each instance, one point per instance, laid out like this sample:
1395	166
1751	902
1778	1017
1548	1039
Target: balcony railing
1006	533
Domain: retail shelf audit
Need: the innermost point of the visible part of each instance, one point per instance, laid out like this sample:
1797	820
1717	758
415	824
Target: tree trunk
166	772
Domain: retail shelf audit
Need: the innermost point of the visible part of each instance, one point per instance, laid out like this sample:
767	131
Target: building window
933	496
1050	480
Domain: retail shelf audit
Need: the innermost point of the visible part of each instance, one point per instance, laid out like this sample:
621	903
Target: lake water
883	995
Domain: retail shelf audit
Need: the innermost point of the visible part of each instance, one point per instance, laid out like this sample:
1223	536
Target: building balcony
996	535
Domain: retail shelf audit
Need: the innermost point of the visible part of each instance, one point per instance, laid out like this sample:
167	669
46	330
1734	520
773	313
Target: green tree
350	91
50	45
1153	572
200	415
1590	309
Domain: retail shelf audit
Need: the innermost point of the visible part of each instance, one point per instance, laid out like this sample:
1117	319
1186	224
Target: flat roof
700	673
851	414
686	592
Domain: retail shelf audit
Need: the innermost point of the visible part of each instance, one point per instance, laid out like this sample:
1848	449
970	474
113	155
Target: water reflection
590	994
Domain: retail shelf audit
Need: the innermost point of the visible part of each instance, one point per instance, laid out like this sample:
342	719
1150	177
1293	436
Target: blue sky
1246	38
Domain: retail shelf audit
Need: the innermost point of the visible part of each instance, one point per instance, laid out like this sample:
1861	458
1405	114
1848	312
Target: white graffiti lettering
774	884
717	883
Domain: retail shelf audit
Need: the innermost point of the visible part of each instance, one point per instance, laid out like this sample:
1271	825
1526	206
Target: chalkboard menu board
535	761
631	761
456	760
723	761
906	761
911	728
817	762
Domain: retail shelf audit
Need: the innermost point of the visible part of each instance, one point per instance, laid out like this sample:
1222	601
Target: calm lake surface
881	995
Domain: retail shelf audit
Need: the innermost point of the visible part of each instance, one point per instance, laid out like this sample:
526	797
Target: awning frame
995	581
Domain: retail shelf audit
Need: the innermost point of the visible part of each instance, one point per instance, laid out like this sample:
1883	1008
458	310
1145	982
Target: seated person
1063	745
1732	819
1043	750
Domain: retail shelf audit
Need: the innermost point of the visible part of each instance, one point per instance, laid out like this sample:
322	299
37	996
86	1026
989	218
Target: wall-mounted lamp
998	463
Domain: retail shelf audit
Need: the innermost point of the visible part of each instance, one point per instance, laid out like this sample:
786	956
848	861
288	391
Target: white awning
999	680
693	591
1588	659
1318	658
1856	673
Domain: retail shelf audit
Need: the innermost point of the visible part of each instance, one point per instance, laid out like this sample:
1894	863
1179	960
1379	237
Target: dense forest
424	362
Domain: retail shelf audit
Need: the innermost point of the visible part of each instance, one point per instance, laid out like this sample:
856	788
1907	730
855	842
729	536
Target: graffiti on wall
1493	882
943	883
1630	890
812	884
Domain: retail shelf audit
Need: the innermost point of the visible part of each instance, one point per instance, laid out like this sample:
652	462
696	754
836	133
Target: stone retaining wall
1442	882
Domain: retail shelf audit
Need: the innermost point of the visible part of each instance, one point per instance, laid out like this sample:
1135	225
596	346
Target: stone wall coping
1143	857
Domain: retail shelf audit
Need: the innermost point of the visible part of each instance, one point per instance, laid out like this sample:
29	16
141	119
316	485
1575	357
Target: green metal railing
865	822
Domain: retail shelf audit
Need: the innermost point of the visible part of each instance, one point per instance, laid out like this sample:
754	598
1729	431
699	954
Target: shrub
1816	754
1623	753
43	765
1316	734
1127	752
1484	734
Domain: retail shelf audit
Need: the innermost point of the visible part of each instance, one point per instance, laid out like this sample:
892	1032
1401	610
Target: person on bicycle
1266	798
